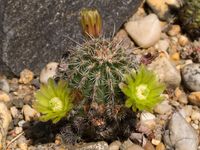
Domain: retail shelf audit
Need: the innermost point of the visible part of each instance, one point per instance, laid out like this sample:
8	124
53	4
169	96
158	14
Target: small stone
163	108
175	29
126	144
195	126
135	147
28	112
148	119
191	76
4	97
194	98
181	96
188	119
21	123
148	146
18	130
160	146
14	112
93	146
163	45
49	71
22	143
4	85
18	103
175	56
165	71
155	141
146	31
188	110
114	145
195	115
26	76
183	40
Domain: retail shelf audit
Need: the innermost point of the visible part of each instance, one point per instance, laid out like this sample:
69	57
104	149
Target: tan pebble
175	29
188	119
195	115
23	146
160	146
178	92
26	76
134	147
114	145
195	126
183	40
4	97
155	142
28	112
194	98
18	130
175	56
57	141
149	146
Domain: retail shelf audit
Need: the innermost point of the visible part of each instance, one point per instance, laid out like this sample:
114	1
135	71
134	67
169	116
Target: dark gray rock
36	32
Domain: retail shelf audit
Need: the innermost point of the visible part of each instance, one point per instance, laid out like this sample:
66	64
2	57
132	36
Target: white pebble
49	71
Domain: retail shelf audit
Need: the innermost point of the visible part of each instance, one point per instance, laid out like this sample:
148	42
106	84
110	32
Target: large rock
37	32
180	136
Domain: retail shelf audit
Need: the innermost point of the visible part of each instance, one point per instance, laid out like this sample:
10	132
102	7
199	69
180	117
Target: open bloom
53	101
142	89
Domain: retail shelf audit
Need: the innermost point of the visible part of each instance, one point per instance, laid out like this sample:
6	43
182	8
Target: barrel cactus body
96	68
189	16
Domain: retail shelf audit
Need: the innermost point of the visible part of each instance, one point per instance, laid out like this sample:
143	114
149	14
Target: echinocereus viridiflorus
53	101
142	89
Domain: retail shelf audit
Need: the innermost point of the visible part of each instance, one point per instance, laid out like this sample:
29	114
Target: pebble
146	31
4	97
183	40
93	146
18	130
4	85
148	146
191	76
175	138
163	45
49	71
175	56
166	71
175	29
14	112
135	147
114	145
188	110
194	98
126	144
4	123
195	115
26	76
181	96
160	146
148	119
21	123
163	108
28	112
155	141
195	126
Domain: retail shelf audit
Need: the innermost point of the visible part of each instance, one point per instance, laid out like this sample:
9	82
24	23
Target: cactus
189	16
142	89
96	68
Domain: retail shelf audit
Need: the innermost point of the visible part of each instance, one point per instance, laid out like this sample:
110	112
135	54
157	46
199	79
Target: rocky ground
174	124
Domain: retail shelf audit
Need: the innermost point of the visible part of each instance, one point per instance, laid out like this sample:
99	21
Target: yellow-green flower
53	101
142	89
